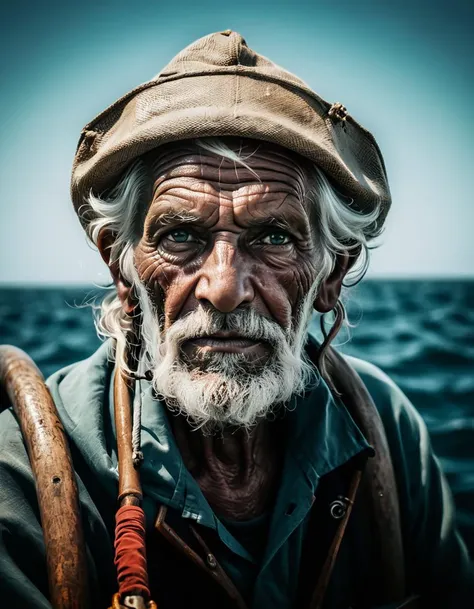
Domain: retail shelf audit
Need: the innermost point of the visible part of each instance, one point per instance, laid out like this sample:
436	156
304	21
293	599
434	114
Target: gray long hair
338	226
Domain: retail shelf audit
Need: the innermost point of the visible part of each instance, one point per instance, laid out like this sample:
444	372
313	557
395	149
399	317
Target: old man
230	202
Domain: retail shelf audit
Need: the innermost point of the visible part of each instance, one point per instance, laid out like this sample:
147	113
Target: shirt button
211	561
338	509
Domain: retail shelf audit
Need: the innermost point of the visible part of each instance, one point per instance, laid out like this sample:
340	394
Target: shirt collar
321	436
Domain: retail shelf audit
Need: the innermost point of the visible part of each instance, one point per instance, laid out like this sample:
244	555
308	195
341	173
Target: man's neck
237	470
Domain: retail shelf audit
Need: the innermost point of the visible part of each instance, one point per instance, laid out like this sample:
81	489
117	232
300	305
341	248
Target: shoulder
400	417
438	563
385	392
82	379
417	470
405	429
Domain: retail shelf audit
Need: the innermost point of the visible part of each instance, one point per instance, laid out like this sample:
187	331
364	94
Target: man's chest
209	561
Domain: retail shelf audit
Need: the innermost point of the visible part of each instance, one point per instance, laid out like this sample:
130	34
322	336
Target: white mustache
202	323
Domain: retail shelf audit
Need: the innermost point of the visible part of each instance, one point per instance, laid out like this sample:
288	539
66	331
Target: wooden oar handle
130	490
52	468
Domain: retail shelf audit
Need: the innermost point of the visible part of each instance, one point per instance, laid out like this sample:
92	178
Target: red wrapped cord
130	553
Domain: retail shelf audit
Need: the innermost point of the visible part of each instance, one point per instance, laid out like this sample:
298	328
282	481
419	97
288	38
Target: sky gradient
403	69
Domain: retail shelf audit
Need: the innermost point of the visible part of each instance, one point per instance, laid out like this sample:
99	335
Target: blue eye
276	238
180	236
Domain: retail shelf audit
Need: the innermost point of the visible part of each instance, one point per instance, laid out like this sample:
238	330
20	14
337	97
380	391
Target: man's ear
330	288
105	242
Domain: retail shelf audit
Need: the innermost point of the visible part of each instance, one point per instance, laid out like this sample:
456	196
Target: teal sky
403	69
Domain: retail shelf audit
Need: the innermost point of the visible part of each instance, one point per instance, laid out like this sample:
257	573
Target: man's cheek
299	284
179	298
284	295
153	269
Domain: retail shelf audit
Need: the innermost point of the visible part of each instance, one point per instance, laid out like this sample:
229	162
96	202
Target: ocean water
421	333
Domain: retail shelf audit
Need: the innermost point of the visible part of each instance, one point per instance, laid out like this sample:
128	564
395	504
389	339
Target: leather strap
326	572
380	489
211	567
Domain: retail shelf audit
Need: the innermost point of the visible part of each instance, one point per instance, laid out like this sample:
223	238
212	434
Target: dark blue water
420	332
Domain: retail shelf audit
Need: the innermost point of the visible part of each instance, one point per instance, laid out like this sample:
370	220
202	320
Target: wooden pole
56	486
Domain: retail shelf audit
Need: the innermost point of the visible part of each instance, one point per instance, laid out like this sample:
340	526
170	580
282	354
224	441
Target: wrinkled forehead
228	160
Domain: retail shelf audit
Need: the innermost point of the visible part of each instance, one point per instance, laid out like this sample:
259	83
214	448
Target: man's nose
224	279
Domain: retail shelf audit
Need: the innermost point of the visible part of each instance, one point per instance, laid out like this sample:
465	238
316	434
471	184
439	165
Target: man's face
225	237
228	263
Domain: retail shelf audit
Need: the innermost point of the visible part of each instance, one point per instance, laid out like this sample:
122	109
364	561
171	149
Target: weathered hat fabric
218	86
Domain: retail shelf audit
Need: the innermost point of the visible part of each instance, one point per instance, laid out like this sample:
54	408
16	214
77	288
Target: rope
340	314
137	455
130	554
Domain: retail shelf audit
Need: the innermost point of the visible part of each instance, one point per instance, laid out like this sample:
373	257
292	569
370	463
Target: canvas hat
218	86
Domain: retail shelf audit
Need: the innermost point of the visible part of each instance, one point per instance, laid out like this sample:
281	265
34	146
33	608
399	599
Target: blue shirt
321	436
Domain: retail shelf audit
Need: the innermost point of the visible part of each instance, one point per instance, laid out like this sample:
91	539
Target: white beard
225	388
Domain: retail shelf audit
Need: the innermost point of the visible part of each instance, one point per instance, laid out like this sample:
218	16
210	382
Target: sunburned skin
220	235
